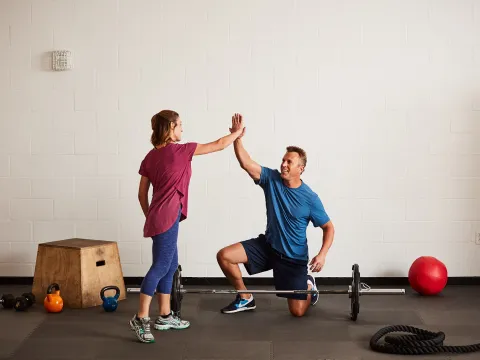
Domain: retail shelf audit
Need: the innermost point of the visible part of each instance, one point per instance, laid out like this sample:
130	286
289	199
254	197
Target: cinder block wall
383	95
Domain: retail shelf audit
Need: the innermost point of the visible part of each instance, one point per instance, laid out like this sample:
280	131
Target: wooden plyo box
81	268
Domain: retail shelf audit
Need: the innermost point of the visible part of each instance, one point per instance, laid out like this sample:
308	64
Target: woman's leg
164	287
162	254
167	320
163	249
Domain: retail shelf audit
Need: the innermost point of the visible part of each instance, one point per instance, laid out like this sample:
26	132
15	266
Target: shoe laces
146	324
176	318
238	300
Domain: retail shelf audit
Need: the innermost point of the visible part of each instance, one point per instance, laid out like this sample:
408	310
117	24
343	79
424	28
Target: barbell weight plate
21	303
30	298
355	295
176	295
179	292
179	289
8	301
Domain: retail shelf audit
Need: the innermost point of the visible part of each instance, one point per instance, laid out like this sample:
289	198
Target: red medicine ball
428	275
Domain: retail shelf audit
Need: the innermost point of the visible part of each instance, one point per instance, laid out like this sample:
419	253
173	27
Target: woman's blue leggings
165	262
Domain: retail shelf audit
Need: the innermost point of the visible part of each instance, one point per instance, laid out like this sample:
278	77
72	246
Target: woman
168	168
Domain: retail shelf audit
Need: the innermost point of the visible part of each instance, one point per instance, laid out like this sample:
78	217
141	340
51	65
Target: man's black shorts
288	273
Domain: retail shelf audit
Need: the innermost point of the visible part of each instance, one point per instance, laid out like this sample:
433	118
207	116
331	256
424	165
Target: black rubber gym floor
269	332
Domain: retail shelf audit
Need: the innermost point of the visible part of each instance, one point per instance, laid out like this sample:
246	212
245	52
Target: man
291	205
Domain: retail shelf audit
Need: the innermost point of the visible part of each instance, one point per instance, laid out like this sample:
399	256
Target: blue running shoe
314	297
239	304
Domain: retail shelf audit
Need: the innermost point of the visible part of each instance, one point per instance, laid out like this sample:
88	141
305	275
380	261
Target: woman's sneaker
314	298
141	326
170	322
239	304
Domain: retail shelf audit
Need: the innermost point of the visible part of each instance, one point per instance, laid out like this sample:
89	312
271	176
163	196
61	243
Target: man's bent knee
233	254
298	308
222	256
297	312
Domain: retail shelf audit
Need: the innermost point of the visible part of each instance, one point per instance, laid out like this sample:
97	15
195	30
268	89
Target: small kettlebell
53	302
110	303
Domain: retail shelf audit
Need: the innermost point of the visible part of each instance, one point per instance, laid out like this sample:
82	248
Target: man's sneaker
239	304
314	297
141	326
171	322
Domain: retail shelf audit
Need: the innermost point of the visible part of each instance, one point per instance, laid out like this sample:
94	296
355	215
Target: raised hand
237	124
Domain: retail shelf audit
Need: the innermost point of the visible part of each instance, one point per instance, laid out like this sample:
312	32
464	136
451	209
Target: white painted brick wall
4	252
11	188
15	231
101	230
51	166
75	209
23	252
130	252
4	165
100	188
4	210
88	142
52	143
45	231
31	209
383	96
53	188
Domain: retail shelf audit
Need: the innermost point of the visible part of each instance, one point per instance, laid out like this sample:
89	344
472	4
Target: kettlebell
110	303
53	302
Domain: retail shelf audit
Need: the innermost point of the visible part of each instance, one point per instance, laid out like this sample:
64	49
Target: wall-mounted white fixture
62	60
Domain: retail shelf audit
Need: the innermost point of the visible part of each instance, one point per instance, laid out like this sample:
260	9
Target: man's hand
317	263
237	124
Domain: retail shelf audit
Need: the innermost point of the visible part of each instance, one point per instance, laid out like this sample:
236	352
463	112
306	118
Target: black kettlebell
110	303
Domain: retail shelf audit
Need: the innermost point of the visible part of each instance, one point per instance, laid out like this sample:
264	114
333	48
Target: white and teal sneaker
239	304
141	326
170	322
311	281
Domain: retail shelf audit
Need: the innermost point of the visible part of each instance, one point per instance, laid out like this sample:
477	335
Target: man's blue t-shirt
289	211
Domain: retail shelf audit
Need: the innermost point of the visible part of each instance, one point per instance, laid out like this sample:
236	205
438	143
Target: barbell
353	291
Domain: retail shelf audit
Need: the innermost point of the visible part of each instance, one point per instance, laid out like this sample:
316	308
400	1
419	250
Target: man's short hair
300	152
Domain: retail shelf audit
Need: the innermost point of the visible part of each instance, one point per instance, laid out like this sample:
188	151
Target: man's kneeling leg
292	274
297	307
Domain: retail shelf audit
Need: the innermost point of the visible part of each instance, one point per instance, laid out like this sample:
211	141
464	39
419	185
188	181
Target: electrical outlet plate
62	60
477	238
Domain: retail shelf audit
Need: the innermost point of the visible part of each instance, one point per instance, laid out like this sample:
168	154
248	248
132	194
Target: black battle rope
422	342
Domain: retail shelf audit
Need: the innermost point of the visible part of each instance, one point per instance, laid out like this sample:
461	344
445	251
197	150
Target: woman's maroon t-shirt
169	171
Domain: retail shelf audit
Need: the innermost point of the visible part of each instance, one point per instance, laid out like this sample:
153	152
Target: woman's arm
219	144
143	194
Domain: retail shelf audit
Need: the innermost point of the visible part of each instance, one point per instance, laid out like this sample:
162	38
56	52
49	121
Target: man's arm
143	194
328	234
245	161
318	261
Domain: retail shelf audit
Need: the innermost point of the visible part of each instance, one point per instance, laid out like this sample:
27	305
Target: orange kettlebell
53	302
